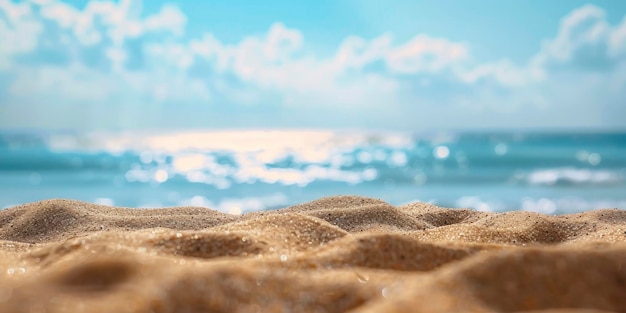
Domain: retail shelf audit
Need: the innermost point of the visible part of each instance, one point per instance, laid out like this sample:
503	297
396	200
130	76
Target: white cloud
63	13
18	31
117	57
275	62
617	40
586	25
104	24
584	39
210	48
281	42
176	55
504	72
116	21
170	18
425	54
420	54
356	52
378	76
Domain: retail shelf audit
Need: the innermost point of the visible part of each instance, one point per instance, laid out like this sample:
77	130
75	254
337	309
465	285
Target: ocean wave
544	205
449	170
574	176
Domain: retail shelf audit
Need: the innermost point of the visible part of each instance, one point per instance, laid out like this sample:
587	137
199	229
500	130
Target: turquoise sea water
241	171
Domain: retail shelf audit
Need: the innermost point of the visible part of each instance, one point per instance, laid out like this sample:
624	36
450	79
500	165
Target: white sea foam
476	203
238	205
104	201
574	176
543	205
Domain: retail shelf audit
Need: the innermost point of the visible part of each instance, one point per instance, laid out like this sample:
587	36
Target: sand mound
337	254
59	219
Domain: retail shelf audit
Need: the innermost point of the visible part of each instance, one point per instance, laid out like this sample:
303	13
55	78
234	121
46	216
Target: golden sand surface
336	254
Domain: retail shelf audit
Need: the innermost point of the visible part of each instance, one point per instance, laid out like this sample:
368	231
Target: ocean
247	170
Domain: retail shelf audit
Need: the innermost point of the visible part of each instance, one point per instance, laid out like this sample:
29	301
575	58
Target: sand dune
337	254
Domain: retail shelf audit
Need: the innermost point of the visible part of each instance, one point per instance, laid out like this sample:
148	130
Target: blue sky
400	64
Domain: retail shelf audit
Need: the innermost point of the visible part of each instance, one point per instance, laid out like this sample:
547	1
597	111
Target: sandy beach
336	254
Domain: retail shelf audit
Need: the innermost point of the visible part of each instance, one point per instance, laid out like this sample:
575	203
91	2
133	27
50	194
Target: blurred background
243	106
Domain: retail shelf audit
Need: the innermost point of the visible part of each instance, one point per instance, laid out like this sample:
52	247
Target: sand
337	254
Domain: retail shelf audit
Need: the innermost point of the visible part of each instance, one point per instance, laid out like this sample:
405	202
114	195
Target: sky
366	64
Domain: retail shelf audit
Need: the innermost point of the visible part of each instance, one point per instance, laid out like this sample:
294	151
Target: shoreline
335	254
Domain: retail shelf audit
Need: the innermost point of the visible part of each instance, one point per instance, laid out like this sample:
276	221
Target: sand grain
336	254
